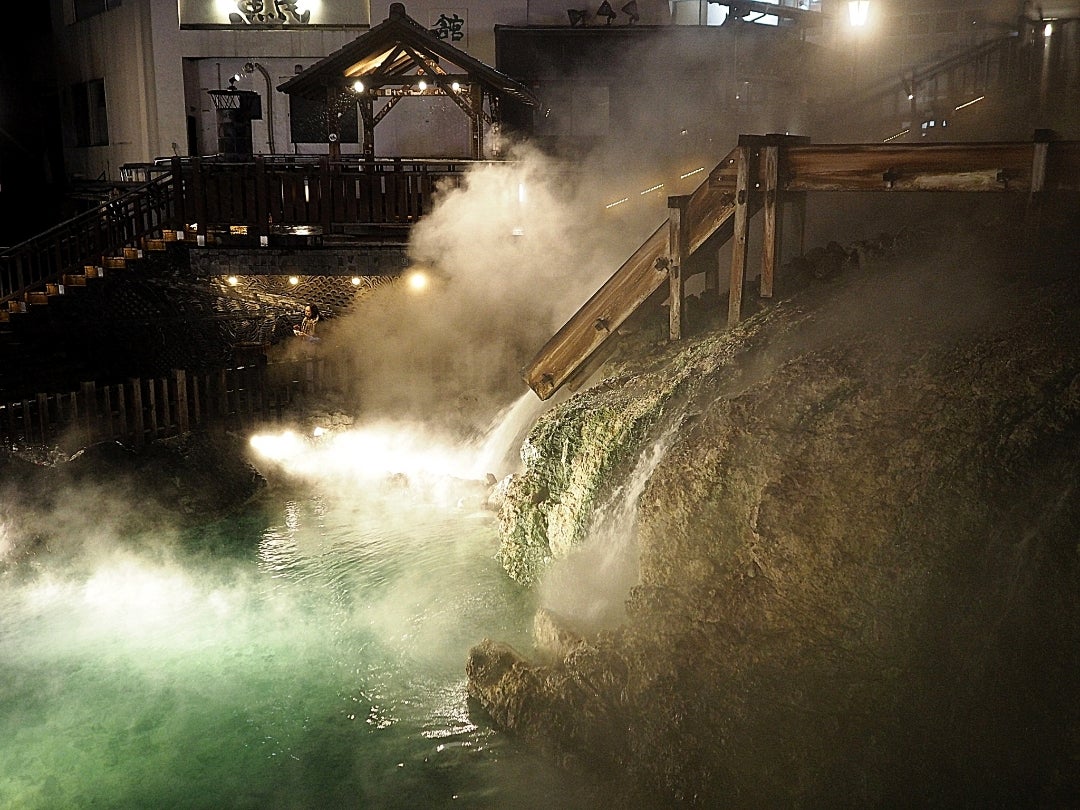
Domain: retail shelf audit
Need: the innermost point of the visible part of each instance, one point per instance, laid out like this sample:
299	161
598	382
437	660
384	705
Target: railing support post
771	223
677	250
741	235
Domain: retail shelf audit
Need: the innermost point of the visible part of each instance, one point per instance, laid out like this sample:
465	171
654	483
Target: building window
89	8
308	123
89	113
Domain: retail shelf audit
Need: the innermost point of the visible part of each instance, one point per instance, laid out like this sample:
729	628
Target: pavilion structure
400	59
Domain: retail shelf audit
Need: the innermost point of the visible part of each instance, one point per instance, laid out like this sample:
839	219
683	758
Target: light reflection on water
310	654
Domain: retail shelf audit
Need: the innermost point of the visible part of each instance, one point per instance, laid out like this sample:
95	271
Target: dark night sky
31	171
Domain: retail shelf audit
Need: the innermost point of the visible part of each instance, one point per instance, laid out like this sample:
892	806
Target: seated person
306	328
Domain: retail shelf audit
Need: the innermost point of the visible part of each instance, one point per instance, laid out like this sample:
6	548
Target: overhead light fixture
294	280
233	281
607	11
355	281
858	12
455	87
358	86
631	10
422	85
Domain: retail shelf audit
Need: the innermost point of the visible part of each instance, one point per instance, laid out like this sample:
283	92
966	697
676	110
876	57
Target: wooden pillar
121	410
677	252
137	410
770	249
199	192
166	412
476	102
182	423
1038	181
151	407
741	235
89	395
43	417
367	117
107	409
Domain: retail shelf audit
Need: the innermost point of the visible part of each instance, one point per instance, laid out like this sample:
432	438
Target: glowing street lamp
858	12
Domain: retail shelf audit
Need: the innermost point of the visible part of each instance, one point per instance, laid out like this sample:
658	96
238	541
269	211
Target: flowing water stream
307	653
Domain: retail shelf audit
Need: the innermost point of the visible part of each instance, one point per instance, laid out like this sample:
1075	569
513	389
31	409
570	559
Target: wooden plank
137	410
43	417
181	400
121	411
742	232
709	209
770	248
166	413
89	398
912	167
151	407
676	257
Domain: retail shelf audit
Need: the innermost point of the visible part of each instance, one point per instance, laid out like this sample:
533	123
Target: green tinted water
309	653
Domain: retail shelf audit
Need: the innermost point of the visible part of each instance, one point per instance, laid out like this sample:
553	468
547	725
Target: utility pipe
250	67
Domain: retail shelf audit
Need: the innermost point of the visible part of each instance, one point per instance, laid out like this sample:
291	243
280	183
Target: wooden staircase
72	283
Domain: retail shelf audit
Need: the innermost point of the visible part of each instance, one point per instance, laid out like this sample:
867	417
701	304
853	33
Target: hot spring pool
308	653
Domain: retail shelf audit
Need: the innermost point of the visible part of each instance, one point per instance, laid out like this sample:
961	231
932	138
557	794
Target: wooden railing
273	191
258	196
87	239
139	411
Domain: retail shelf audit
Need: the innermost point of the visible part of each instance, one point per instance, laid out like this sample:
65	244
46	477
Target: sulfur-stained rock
859	573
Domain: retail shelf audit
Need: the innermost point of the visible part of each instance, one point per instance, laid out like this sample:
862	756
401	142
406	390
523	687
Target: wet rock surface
859	560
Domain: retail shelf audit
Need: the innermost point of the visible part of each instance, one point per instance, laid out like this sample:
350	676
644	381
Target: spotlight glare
417	281
455	87
422	85
294	280
356	281
233	281
358	86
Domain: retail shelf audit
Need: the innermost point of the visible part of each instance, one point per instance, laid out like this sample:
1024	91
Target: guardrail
84	240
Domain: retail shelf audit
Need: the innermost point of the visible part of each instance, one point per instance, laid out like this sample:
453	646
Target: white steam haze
511	254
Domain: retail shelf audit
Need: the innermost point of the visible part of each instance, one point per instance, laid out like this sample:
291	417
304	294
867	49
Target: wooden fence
139	411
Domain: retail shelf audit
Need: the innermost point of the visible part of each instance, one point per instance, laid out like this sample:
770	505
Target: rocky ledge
859	575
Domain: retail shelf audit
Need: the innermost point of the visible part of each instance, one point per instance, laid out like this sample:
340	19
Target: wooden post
677	253
121	409
166	413
741	235
106	397
476	103
89	393
223	394
1033	214
28	425
151	406
43	417
137	410
182	423
196	400
771	245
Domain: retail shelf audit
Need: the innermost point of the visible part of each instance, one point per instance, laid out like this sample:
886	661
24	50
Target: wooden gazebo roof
395	50
397	59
